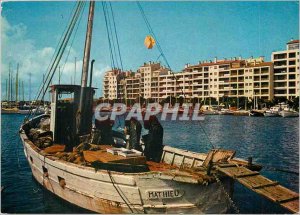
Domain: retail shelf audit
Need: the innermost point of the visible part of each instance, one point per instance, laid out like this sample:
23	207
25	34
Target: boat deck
108	160
263	186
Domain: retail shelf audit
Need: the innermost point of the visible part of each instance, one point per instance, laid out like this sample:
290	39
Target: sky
187	32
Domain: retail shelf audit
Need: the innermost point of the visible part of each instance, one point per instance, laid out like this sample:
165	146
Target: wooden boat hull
114	192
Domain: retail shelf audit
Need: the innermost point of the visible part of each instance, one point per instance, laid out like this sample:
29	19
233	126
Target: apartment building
110	84
146	71
114	84
132	86
234	78
219	78
286	71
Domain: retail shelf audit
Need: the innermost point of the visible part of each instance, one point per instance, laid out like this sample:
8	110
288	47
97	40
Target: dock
272	190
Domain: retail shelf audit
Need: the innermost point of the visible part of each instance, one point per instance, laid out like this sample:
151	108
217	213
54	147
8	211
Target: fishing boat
104	179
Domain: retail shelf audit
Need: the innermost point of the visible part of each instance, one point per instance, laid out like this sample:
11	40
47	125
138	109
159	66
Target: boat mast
30	87
75	72
82	127
43	88
17	82
6	89
11	87
9	84
23	91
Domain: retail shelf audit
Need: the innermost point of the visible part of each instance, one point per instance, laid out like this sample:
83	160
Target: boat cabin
65	101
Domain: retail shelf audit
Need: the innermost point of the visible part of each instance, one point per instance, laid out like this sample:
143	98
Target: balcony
280	92
264	86
292	63
292	55
280	63
292	84
280	56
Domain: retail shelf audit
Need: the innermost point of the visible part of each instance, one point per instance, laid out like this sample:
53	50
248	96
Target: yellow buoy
149	42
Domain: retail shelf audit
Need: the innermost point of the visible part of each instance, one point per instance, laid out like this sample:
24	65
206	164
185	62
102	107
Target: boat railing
182	158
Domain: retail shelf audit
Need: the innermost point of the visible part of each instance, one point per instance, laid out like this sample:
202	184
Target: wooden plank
292	206
233	171
218	155
225	165
186	153
105	157
53	149
263	186
277	193
246	174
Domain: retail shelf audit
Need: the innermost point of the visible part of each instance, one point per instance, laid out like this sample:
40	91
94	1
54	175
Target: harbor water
272	142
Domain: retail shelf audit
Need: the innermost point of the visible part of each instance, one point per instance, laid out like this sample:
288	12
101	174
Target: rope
78	23
116	34
56	57
113	183
108	36
212	145
56	48
118	46
112	37
270	168
158	45
164	57
231	202
59	54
